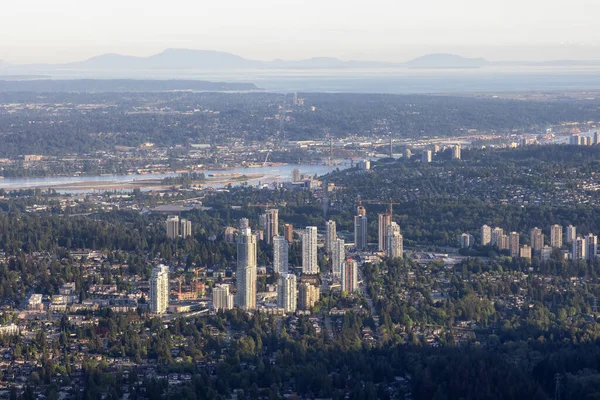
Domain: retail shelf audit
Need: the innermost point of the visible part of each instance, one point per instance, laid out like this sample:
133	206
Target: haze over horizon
34	31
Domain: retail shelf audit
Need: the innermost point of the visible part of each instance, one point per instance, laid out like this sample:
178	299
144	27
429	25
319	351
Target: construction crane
267	158
180	280
389	203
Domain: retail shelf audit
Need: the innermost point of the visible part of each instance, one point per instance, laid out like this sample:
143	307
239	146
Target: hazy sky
394	30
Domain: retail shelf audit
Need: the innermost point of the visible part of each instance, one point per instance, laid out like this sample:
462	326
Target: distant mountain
169	59
446	61
180	59
207	59
118	85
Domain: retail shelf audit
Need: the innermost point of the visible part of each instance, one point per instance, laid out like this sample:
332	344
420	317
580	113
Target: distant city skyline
36	31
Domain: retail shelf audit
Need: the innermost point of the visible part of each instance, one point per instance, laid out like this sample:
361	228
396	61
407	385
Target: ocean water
381	80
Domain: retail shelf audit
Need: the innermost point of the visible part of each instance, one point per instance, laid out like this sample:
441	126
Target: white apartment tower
246	269
159	289
310	265
395	241
222	299
280	255
287	293
330	235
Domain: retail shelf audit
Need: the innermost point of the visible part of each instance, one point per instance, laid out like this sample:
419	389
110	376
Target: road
363	291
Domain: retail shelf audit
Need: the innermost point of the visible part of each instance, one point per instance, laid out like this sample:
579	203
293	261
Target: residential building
591	246
427	156
296	176
246	269
546	253
287	293
360	229
172	227
571	234
230	233
579	249
364	165
262	222
514	240
330	235
486	235
9	330
526	251
465	241
186	228
456	152
349	276
395	244
496	234
159	289
288	232
308	295
504	243
272	225
280	255
309	251
384	222
556	236
338	255
222	299
537	239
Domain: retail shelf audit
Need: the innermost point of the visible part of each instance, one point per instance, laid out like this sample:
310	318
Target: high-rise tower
360	229
280	255
309	251
246	269
159	289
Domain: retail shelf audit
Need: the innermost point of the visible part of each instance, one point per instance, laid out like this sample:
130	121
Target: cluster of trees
185	179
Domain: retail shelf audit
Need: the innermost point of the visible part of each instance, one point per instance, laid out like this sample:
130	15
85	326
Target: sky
54	31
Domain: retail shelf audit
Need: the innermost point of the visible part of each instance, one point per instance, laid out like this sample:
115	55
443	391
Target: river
75	184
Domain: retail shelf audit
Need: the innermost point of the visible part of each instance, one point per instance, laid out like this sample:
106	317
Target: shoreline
147	184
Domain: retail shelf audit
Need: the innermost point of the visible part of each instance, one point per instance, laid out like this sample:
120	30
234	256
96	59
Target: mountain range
210	59
182	59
